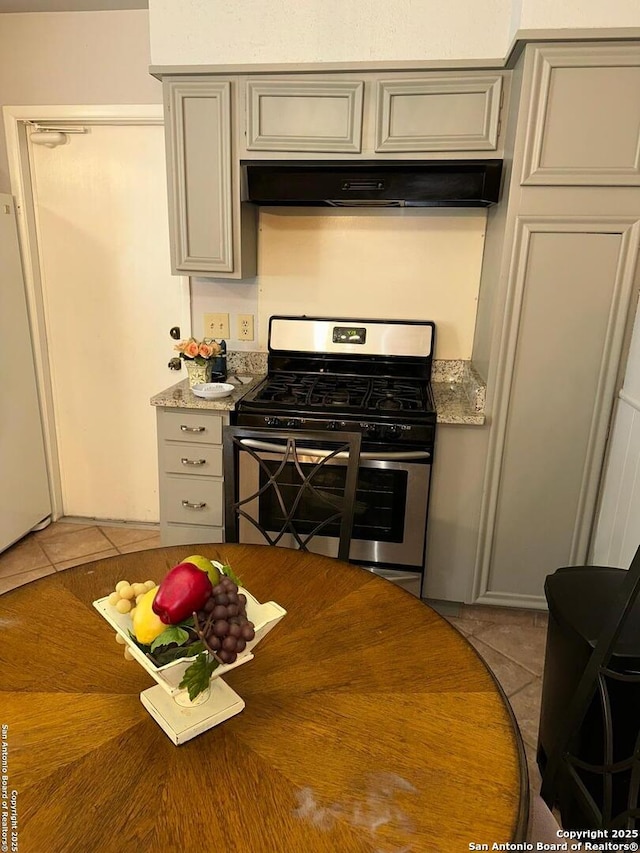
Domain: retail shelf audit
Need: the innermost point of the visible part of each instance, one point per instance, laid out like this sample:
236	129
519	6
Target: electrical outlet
216	326
245	327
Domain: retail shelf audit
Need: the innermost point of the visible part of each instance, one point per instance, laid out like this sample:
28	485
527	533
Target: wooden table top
370	724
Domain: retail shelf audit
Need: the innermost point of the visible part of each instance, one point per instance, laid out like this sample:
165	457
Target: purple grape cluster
222	624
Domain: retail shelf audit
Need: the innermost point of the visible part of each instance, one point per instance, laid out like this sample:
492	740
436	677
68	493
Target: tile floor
64	544
512	642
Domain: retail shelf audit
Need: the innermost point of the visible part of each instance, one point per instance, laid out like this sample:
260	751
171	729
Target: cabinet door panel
441	113
584	124
304	116
198	136
573	285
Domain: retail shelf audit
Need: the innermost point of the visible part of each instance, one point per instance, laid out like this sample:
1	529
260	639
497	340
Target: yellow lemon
146	624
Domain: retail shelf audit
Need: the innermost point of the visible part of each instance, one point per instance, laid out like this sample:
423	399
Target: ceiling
70	5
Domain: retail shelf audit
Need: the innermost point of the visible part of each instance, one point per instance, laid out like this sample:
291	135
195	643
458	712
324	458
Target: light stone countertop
180	396
458	390
459	393
453	405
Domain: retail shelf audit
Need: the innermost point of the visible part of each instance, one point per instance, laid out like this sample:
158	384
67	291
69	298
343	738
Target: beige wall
380	264
537	14
246	31
74	58
412	264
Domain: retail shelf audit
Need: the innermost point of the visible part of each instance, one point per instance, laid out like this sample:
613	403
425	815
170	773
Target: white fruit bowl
212	390
168	703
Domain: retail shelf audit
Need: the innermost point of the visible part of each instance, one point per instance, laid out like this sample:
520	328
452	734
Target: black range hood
367	183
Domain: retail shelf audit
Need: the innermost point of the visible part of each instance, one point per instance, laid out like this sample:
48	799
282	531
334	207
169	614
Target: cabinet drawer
441	113
190	426
191	500
191	458
304	115
188	534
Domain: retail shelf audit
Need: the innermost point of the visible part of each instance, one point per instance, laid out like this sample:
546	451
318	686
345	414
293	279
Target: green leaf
197	676
228	571
173	634
168	655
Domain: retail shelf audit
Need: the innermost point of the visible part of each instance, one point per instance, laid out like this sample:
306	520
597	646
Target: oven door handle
393	456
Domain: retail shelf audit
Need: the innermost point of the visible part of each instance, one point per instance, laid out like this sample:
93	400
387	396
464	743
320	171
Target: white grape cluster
124	598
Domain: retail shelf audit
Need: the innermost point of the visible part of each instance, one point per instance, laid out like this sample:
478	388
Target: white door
109	302
24	496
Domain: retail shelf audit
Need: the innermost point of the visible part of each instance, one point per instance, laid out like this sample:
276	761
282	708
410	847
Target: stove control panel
373	432
283	423
349	335
385	432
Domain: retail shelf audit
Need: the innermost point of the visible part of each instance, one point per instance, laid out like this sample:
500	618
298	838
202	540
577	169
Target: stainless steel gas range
367	376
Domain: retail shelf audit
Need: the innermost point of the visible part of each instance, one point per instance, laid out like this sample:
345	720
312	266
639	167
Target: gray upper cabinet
213	123
585	117
304	115
440	112
206	218
428	115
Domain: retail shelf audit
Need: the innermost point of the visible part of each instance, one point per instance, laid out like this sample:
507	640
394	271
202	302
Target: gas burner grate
334	391
330	392
395	395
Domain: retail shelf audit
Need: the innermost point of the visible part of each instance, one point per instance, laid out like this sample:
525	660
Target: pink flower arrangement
199	351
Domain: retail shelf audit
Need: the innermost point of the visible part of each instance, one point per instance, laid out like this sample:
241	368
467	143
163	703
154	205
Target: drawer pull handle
186	428
186	461
190	505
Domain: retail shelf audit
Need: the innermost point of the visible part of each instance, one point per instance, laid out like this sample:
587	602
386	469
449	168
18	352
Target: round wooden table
370	724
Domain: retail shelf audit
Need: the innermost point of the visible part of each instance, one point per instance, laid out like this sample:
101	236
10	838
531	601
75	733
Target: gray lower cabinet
572	284
191	475
561	279
212	233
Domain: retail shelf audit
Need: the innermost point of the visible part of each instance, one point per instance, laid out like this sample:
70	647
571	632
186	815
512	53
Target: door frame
17	120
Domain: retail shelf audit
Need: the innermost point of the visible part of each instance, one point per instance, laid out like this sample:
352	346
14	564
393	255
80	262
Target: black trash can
578	599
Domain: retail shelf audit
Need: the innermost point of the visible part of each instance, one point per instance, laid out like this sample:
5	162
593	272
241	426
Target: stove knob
332	425
292	422
271	421
393	429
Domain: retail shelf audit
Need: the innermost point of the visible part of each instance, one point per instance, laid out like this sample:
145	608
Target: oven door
390	515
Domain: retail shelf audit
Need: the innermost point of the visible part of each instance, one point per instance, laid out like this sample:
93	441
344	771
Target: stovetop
335	396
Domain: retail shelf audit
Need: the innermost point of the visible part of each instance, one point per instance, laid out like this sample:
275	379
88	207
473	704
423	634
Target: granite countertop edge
458	389
459	392
180	396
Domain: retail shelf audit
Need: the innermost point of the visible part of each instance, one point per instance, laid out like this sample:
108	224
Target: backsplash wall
396	264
